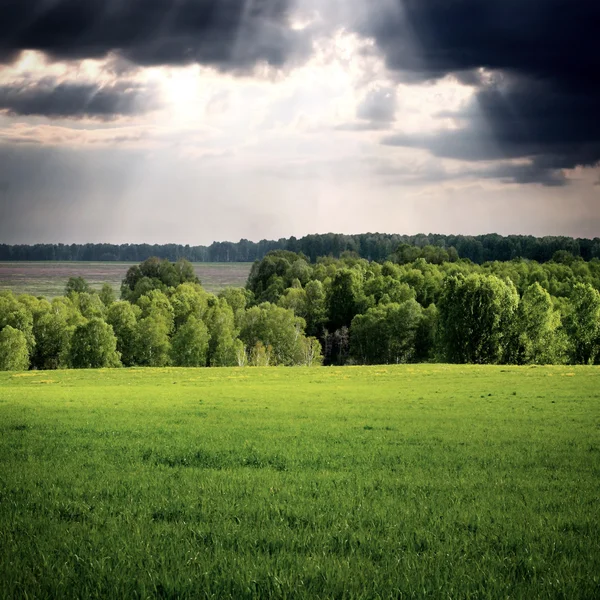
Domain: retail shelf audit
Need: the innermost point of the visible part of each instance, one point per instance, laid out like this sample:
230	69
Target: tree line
335	311
371	246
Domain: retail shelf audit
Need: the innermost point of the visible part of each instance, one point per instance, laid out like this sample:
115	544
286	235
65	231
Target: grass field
49	278
427	481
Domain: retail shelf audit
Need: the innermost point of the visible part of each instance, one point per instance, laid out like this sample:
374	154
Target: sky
191	121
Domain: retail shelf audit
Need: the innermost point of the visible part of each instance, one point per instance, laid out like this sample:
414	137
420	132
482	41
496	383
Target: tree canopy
345	310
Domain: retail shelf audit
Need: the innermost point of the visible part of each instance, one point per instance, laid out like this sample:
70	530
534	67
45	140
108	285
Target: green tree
295	299
426	335
152	343
188	300
238	299
89	304
14	353
156	274
583	324
311	352
18	316
386	334
220	320
346	299
93	345
316	308
277	328
156	304
122	317
536	329
78	285
240	353
260	355
476	318
107	294
52	333
190	344
386	289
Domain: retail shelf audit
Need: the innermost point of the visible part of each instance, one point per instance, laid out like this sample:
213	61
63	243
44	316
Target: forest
371	246
416	307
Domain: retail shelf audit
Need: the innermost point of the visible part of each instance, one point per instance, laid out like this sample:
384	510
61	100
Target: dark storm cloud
52	99
543	100
228	34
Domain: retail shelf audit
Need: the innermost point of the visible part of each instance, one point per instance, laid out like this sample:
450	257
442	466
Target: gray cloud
227	34
379	105
517	118
54	99
543	54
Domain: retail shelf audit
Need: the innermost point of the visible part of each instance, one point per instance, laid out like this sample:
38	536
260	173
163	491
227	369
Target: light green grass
427	481
47	278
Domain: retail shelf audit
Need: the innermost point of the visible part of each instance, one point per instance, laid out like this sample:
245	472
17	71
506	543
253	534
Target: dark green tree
346	298
386	334
156	274
476	318
583	324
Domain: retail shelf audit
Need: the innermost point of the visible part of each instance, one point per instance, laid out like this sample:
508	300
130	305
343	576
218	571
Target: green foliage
583	324
386	334
14	353
237	298
17	315
426	335
89	305
222	349
152	342
157	305
156	274
537	335
93	345
371	246
276	328
295	299
260	355
476	315
346	298
107	294
386	289
122	316
190	344
456	311
311	352
77	285
316	308
270	277
52	331
188	300
405	253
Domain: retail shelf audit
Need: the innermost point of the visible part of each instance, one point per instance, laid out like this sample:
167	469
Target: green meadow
427	481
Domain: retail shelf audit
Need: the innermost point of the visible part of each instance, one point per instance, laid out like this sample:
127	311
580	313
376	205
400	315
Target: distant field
49	278
427	481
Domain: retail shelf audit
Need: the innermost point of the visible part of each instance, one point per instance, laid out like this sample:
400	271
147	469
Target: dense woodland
421	305
371	246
